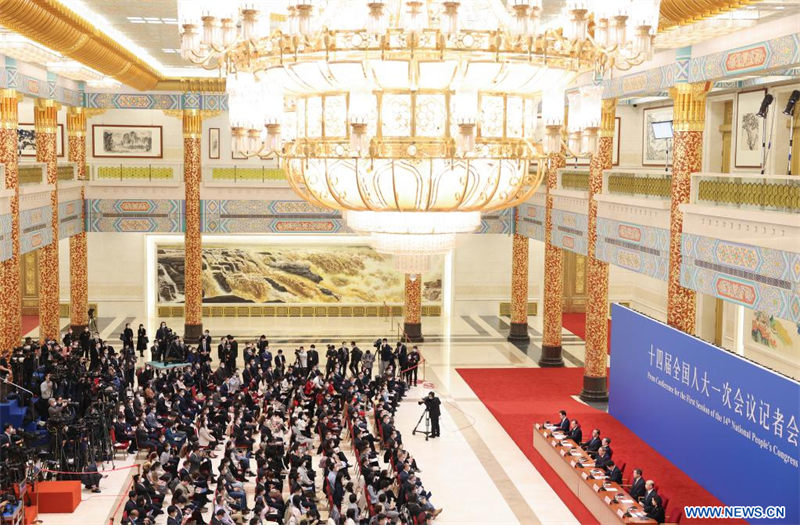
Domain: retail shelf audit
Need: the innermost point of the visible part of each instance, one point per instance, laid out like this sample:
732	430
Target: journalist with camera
432	406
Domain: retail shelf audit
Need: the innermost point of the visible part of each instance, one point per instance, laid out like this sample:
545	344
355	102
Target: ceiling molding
682	12
192	85
53	25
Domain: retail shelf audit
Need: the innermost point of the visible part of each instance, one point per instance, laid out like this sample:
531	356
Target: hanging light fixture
412	117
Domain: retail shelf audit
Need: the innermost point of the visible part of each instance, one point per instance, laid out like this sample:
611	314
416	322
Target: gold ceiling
682	12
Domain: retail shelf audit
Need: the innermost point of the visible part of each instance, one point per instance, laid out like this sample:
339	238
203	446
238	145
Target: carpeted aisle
576	323
518	397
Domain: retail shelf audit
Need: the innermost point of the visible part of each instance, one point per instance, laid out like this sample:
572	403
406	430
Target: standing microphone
789	112
762	113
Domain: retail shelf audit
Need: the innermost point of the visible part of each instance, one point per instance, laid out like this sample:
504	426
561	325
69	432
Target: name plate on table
596	488
554	443
537	426
573	463
584	475
607	500
620	513
563	452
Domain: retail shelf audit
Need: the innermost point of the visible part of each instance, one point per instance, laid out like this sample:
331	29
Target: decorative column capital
9	108
45	115
689	106
76	122
192	124
607	117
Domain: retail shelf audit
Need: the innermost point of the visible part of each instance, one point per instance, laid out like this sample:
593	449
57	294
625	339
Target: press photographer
432	406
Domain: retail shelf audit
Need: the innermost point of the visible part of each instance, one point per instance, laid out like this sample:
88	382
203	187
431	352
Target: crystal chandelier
412	117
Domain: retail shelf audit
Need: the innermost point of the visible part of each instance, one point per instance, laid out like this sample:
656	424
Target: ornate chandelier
412	117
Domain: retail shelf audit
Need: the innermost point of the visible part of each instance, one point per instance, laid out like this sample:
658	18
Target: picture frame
127	142
654	150
213	143
614	146
26	135
749	128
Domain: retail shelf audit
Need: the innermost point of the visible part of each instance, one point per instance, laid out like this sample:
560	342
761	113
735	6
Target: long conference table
607	501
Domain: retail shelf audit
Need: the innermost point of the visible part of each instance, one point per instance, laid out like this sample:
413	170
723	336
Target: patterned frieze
763	279
70	218
497	222
264	216
642	249
35	228
531	218
135	215
161	101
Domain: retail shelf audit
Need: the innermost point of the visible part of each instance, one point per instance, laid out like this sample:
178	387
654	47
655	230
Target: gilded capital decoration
10	279
76	122
689	106
192	124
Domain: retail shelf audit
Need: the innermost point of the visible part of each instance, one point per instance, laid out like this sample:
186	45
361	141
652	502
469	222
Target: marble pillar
45	123
412	309
78	262
193	268
553	274
595	374
10	280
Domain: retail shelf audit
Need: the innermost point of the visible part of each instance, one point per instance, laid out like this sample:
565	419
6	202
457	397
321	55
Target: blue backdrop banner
730	424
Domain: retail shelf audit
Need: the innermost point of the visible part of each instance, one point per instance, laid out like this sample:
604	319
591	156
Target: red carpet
576	323
518	397
29	322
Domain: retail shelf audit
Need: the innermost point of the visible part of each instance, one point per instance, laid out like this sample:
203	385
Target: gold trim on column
192	124
45	115
9	108
76	122
54	25
608	117
689	110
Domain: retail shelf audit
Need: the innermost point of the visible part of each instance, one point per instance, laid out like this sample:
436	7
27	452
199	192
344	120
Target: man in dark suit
637	490
575	432
606	444
603	459
218	518
312	357
614	474
205	342
172	515
592	444
652	503
563	424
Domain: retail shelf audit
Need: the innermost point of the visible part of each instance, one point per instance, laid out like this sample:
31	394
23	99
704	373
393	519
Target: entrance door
574	283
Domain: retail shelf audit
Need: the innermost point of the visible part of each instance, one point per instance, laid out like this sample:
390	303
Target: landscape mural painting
260	274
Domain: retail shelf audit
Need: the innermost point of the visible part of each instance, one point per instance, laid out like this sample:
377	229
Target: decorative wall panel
570	231
257	216
635	247
759	278
5	237
497	222
70	218
530	221
175	101
129	215
35	228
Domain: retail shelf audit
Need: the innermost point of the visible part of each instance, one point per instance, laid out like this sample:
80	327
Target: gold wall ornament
607	117
45	115
53	25
192	85
689	106
9	108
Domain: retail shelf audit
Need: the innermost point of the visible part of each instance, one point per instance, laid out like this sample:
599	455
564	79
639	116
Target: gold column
688	120
193	268
518	331
78	261
412	326
10	281
45	122
553	274
595	385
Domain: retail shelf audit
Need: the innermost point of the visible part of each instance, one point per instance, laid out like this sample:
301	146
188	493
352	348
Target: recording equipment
793	98
789	112
662	130
765	103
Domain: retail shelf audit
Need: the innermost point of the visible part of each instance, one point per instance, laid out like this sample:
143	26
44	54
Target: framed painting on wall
127	142
749	129
614	146
213	143
26	135
654	151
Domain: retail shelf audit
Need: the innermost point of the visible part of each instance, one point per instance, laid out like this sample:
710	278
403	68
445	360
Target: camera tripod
427	430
